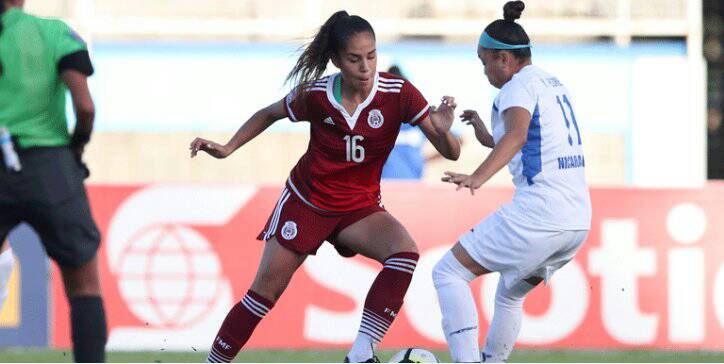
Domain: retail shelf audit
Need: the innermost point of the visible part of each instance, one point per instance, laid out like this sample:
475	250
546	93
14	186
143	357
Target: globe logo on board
169	276
375	119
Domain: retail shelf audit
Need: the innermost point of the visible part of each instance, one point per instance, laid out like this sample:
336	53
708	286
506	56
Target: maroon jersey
342	166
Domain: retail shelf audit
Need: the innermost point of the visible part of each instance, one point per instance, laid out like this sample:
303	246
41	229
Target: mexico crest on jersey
375	119
289	230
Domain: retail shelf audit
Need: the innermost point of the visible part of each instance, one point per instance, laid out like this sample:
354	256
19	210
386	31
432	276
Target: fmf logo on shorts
651	273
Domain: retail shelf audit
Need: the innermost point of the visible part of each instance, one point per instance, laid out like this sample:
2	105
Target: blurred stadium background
178	246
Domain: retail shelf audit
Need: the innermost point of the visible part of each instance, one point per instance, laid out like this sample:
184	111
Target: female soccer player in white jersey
536	134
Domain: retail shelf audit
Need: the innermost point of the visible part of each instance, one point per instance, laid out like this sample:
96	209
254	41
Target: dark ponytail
329	40
508	31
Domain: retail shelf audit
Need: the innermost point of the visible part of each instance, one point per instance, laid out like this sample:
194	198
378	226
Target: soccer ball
414	355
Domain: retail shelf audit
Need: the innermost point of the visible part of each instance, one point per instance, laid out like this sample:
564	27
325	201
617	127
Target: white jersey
548	172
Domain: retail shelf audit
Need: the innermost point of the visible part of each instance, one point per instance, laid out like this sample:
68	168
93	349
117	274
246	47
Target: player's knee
83	280
514	296
270	294
404	245
440	273
83	286
268	287
83	291
508	301
400	246
449	270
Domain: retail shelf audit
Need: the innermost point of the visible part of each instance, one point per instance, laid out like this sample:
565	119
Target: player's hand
462	180
444	114
78	151
472	118
215	150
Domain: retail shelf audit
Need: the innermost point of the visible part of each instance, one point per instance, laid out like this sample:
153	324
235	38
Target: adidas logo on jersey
329	121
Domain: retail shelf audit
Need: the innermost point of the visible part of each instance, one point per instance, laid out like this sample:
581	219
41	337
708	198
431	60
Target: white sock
459	312
362	349
507	317
7	261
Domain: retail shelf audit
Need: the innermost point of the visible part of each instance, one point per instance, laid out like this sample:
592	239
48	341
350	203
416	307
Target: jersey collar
10	16
350	119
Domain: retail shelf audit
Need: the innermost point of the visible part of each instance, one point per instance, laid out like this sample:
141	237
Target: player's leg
276	269
88	320
452	276
78	262
491	246
551	251
504	328
292	232
60	213
8	219
381	237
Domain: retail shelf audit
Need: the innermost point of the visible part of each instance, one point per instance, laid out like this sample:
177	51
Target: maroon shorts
303	228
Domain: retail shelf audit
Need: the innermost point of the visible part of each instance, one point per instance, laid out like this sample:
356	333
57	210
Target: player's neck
522	65
352	95
516	69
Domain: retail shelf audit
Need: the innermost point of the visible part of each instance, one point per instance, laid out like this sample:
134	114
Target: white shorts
519	251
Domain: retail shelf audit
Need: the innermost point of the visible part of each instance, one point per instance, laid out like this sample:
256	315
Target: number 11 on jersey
355	151
573	117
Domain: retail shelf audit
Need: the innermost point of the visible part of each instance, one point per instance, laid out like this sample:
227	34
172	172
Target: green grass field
332	356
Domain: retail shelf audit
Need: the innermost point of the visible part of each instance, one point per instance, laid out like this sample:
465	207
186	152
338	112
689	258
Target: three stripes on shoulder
387	85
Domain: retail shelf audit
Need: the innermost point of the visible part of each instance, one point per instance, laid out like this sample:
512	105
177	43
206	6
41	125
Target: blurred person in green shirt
40	60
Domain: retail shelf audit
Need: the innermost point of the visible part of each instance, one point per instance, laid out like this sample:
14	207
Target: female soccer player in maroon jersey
333	193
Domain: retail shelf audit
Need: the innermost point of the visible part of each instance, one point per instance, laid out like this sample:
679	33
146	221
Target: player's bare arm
517	120
472	118
436	128
261	120
77	84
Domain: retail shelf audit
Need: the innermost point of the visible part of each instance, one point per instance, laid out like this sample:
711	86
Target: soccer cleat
484	358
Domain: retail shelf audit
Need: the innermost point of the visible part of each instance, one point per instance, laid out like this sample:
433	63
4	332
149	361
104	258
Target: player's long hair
329	40
508	31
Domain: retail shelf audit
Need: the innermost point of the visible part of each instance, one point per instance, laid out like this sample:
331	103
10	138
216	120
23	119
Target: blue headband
486	41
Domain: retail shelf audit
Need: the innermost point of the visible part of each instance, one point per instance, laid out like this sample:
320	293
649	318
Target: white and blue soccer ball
414	355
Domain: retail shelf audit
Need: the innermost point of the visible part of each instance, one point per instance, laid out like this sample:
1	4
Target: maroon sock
386	294
237	327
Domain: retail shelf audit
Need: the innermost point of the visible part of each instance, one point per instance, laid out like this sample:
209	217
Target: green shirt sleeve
62	40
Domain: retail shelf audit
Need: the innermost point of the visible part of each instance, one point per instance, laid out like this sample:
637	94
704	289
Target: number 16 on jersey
355	151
